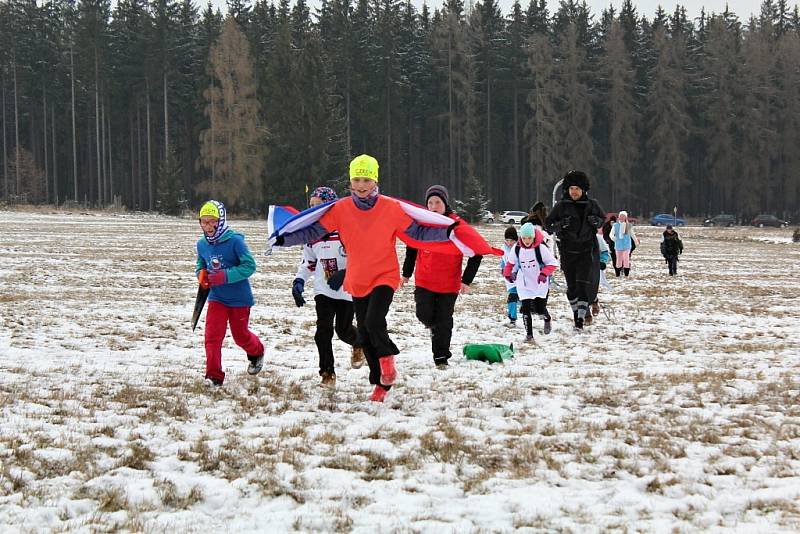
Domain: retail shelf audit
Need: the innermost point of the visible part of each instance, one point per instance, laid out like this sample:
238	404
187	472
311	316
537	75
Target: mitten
602	266
336	280
202	278
217	278
595	221
297	291
542	278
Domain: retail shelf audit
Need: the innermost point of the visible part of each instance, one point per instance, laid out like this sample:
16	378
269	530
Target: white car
488	217
512	217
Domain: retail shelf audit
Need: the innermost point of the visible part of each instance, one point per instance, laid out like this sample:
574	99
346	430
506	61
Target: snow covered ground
679	413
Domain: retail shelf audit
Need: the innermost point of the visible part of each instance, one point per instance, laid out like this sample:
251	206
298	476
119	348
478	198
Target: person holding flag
438	282
369	225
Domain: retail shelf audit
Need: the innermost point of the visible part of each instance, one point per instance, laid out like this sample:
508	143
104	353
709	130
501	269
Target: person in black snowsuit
575	220
671	248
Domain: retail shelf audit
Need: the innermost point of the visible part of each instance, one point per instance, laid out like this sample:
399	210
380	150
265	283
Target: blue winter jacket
621	242
231	254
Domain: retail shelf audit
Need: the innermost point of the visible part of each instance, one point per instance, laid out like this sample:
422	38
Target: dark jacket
671	245
575	222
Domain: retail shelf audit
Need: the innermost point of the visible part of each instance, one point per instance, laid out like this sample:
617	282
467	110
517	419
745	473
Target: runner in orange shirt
369	224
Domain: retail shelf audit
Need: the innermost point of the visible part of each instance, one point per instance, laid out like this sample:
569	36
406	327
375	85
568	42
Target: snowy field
678	413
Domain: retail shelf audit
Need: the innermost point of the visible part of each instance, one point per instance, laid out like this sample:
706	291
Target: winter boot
357	358
378	394
578	324
618	270
213	382
627	271
528	320
596	308
328	380
589	319
256	363
388	370
529	340
547	326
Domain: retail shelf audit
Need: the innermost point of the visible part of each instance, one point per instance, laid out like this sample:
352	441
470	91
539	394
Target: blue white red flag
463	240
277	217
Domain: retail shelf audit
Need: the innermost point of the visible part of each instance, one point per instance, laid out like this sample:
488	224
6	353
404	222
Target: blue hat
527	230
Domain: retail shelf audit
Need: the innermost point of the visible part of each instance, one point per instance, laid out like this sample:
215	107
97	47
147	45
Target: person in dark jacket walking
671	248
575	220
438	281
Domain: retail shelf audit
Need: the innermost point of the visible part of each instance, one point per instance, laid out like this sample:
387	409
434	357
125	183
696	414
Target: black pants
672	264
530	306
372	330
435	310
582	280
328	311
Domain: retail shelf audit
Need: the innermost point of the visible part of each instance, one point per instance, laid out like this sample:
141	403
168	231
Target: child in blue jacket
224	264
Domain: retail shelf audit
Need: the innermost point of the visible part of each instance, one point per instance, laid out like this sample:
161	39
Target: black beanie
578	178
511	233
439	191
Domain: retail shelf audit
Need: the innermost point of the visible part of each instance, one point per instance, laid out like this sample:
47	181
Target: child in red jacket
438	282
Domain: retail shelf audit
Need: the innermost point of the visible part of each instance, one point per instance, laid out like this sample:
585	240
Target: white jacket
527	282
321	259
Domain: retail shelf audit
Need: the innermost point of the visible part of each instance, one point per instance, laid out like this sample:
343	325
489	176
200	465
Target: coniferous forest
155	105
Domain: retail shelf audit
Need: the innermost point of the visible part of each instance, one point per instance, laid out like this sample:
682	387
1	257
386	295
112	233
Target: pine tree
543	128
233	148
169	191
621	119
667	124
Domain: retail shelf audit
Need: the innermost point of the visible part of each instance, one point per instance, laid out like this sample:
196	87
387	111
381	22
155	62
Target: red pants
217	318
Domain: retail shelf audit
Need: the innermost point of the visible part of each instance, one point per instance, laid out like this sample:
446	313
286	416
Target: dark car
722	219
766	219
663	219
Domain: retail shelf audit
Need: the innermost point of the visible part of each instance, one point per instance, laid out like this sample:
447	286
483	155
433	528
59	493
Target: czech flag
276	218
463	240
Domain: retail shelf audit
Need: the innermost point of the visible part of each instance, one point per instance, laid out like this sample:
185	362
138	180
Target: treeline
156	104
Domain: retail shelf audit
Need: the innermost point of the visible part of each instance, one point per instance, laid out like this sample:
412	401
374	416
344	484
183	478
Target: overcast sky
743	8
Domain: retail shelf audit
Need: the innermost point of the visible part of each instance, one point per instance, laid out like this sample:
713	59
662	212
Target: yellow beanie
364	166
209	208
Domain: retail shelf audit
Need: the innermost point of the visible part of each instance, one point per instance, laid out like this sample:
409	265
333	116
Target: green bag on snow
488	352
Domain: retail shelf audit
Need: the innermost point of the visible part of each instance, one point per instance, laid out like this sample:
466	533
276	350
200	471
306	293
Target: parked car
722	219
488	217
512	217
631	219
663	219
766	219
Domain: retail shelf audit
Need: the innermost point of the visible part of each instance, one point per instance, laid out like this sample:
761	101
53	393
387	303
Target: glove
217	278
451	227
297	291
595	221
566	221
602	266
511	277
542	278
336	280
202	278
